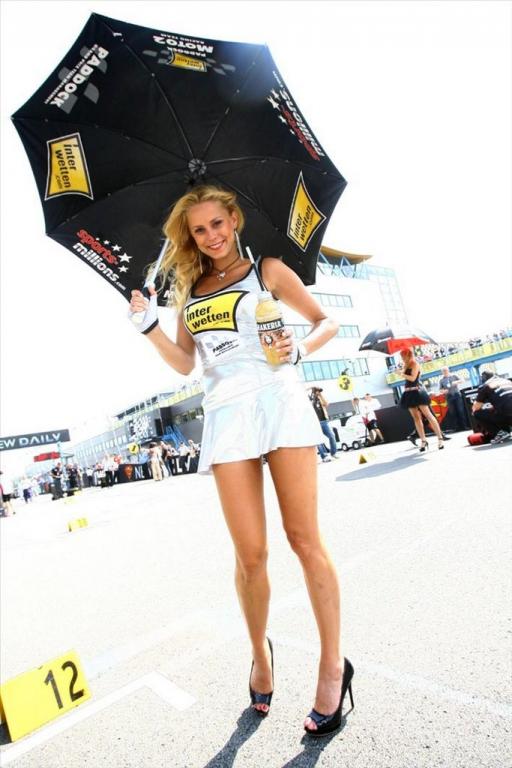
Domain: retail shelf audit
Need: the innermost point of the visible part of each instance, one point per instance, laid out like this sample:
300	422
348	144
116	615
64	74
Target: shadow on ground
313	749
383	467
247	724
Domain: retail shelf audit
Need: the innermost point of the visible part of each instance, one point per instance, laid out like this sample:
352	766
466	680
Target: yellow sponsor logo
305	217
217	313
67	168
187	62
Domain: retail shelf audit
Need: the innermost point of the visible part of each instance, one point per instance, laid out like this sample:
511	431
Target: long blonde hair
183	263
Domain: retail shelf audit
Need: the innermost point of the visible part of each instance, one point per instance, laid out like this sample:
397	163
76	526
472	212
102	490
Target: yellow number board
40	695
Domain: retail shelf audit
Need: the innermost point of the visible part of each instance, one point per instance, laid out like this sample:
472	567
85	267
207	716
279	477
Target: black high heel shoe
262	698
424	446
328	723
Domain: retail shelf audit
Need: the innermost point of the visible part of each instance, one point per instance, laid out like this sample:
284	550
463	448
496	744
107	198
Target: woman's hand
287	347
143	312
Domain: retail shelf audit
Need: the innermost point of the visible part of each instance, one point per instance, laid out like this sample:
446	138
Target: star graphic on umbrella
282	119
275	104
125	257
274	94
123	269
106	242
116	247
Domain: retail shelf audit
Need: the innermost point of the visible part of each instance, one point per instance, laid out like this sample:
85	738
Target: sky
411	101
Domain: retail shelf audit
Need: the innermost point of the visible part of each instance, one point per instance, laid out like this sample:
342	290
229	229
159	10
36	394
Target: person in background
26	487
155	457
183	452
108	466
320	407
72	474
7	490
193	450
56	473
496	418
90	476
416	400
100	474
449	386
168	452
367	408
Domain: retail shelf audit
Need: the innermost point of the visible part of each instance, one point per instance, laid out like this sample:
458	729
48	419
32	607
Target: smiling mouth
216	246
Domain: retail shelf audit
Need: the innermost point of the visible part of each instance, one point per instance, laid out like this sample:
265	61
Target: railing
489	349
189	390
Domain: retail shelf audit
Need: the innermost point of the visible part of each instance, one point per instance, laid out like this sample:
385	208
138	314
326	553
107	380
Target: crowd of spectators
65	479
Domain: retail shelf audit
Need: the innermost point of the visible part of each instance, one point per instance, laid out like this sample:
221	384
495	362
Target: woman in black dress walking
417	400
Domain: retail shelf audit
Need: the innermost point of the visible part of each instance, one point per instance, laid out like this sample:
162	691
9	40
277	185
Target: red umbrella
390	340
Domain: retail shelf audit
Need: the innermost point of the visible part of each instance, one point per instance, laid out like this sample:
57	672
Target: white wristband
302	349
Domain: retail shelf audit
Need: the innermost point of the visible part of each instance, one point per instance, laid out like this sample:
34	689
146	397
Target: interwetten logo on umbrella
67	168
305	217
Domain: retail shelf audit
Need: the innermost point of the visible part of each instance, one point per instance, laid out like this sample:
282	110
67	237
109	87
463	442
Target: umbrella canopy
391	340
133	116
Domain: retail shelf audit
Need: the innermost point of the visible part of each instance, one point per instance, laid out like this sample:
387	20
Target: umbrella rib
108	130
228	109
162	92
266	158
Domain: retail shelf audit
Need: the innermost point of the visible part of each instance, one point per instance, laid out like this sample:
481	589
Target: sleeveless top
223	326
409	384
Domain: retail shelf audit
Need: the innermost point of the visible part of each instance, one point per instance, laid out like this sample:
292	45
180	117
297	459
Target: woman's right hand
143	312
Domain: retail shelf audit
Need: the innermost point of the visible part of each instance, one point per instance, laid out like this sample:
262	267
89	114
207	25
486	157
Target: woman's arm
180	355
289	288
415	368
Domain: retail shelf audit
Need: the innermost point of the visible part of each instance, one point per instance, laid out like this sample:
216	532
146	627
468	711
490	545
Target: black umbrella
391	340
132	116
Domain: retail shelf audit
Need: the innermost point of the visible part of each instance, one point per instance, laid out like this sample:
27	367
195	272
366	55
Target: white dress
250	406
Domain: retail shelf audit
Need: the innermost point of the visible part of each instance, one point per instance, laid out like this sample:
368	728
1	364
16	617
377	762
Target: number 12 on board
36	697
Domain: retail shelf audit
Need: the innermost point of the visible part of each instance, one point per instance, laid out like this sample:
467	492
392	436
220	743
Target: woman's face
405	354
213	229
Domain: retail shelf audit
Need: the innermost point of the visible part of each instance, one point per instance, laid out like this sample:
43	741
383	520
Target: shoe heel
350	694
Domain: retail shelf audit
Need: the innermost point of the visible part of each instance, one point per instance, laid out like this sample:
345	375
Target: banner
34	438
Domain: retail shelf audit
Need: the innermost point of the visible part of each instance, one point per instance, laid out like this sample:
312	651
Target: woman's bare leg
294	474
431	420
240	489
418	423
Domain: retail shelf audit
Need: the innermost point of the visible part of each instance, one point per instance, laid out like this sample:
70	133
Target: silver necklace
221	273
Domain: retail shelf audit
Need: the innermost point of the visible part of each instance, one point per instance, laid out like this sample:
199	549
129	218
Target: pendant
221	275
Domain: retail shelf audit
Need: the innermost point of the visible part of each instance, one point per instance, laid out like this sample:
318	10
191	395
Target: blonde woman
417	400
252	410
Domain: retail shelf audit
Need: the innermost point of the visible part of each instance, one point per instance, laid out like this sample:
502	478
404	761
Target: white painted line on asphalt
162	686
405	679
425	685
168	691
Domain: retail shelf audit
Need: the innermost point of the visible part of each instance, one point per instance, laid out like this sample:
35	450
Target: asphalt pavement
144	594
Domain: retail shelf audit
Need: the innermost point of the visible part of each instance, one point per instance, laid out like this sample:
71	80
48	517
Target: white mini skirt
279	415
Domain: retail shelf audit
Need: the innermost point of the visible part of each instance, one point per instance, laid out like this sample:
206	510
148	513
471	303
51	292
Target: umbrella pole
138	317
251	259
